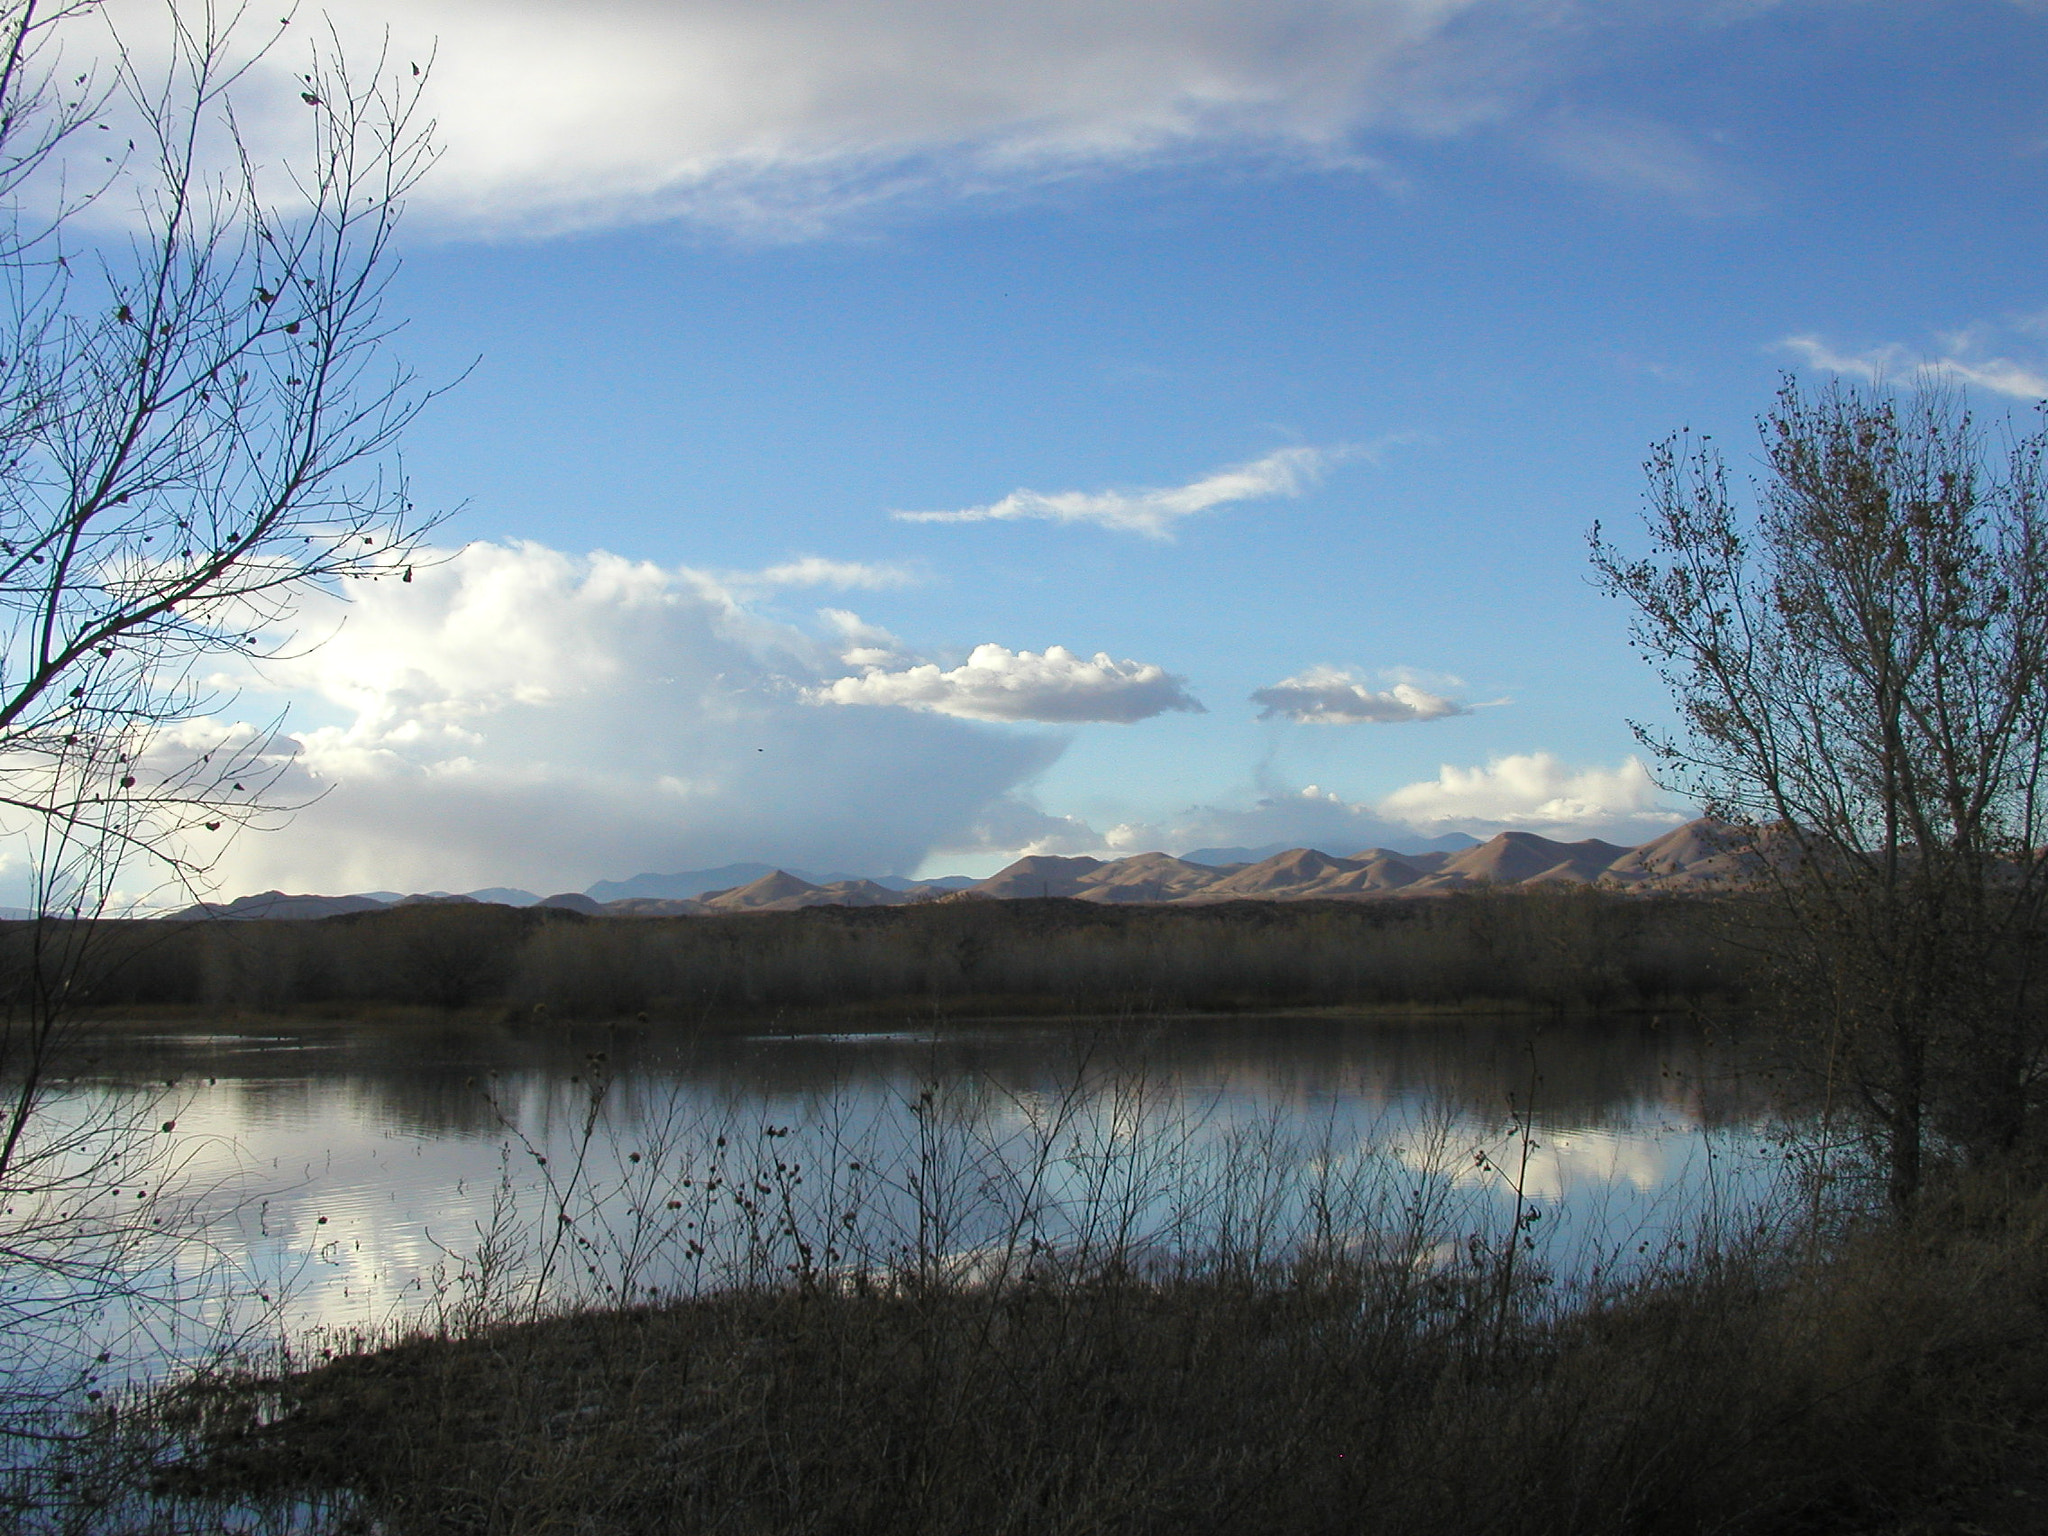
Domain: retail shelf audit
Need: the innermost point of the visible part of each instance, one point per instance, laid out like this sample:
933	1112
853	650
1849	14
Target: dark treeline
1570	949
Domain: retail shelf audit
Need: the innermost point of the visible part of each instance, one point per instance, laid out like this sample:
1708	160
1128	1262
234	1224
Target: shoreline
862	1018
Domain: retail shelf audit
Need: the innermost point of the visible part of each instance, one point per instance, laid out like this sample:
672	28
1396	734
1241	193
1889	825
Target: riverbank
879	1017
1575	950
1881	1379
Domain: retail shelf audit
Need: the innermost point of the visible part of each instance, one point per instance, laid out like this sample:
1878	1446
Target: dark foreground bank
1566	949
1890	1380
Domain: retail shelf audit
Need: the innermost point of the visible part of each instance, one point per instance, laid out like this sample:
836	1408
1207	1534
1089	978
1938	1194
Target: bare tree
197	424
1860	666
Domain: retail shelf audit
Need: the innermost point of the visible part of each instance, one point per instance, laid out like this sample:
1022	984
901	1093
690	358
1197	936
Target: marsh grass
1100	1309
113	1266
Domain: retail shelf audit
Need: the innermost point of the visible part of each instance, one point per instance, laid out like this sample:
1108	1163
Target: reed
1049	1314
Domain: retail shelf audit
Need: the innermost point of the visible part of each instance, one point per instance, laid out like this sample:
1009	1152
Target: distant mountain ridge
1699	856
690	883
1450	842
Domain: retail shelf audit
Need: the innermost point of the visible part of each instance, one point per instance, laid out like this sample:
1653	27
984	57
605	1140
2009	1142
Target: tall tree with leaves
1860	665
197	424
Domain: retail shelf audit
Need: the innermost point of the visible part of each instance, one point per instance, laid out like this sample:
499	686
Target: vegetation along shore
1560	948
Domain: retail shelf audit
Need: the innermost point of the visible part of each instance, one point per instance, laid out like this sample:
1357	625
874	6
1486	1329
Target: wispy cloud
1964	356
845	575
996	683
1153	512
1642	158
784	117
1330	696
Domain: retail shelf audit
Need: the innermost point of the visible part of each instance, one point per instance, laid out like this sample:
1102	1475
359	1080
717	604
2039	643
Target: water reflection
423	1080
352	1172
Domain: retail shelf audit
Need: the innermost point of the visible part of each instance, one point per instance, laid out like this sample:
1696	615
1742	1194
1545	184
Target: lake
329	1181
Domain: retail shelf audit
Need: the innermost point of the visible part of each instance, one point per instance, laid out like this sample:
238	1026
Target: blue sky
735	283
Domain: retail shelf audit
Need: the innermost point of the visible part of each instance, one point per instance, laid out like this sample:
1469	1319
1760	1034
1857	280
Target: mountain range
1695	857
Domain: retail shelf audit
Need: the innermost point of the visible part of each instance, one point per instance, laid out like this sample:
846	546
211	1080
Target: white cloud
861	644
520	716
1535	792
845	575
782	116
1015	828
1330	696
1307	817
1963	356
790	119
996	683
1284	472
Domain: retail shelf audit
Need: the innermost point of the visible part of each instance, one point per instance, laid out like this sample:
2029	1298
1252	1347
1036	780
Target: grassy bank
1577	950
1080	1311
1889	1381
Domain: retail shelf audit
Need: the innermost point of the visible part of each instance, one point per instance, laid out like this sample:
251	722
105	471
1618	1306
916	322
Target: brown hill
1515	858
1146	877
834	893
1701	855
1427	863
1375	871
775	889
1701	852
1041	874
1284	875
276	906
1697	854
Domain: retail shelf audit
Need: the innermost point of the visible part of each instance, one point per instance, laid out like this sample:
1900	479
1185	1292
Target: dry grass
1896	1384
1073	1314
1335	1353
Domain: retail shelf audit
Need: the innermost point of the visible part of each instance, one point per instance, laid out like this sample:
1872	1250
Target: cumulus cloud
861	644
1016	827
1309	816
1966	357
1331	696
996	683
1284	472
1536	792
1533	792
521	716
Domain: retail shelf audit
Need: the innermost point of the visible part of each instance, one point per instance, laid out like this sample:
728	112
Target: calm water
347	1177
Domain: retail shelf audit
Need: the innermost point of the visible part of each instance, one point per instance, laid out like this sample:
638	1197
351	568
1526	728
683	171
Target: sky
895	437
